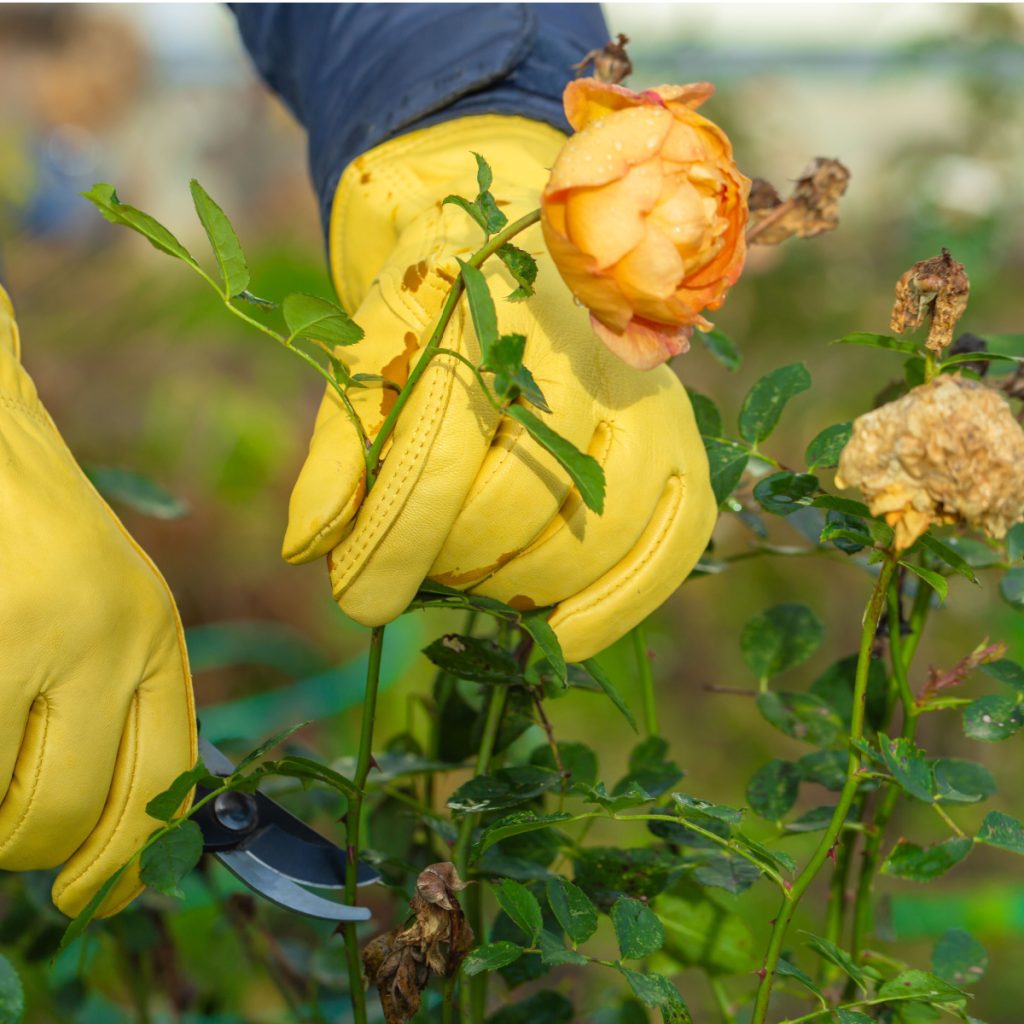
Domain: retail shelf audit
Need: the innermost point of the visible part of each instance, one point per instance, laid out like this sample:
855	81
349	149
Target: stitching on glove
603	594
133	718
41	699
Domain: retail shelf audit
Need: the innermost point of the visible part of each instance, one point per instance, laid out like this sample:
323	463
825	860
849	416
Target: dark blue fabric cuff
356	75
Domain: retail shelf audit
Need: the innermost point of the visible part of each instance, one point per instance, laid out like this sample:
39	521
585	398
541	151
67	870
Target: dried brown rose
611	64
401	961
949	451
935	288
812	209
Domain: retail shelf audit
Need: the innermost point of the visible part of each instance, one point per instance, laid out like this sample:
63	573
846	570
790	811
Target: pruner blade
273	852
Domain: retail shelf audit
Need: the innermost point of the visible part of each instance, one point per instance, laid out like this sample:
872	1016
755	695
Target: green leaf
494	219
785	969
909	767
946	554
171	857
484	177
835	687
585	470
773	790
727	871
765	401
804	716
166	805
521	905
309	316
266	746
938	583
505	788
833	954
136	491
780	638
959	958
223	240
701	933
12	995
658	992
573	909
650	768
705	412
491	957
1011	587
516	824
923	864
544	1007
78	926
554	954
965	782
817	819
308	770
825	767
511	378
637	929
469	207
914	984
785	493
536	624
1006	671
1002	831
474	659
884	341
991	718
726	460
1015	543
577	759
482	311
852	1017
721	347
605	873
630	795
824	451
104	197
600	677
523	268
702	811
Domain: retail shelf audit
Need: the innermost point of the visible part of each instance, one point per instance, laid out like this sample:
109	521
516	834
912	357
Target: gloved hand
465	497
96	711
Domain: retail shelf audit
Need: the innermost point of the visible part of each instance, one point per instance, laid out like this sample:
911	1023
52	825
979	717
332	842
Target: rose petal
644	344
687	217
587	99
653	269
607	148
689	96
608	222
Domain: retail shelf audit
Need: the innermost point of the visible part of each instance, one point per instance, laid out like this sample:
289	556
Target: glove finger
158	742
329	487
658	562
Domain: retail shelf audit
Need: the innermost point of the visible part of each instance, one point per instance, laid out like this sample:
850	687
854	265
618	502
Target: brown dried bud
812	209
949	451
400	962
936	288
611	64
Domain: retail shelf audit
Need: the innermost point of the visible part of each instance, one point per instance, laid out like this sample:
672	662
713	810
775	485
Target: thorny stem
364	759
434	343
643	664
835	914
872	614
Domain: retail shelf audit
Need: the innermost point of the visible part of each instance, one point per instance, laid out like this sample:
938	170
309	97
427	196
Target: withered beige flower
949	451
813	207
937	288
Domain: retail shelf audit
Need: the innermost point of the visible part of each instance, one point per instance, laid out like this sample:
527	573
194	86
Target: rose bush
644	215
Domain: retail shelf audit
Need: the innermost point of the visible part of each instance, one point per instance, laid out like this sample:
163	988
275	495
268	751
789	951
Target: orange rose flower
644	215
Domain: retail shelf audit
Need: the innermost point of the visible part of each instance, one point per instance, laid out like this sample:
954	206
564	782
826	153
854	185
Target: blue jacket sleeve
357	74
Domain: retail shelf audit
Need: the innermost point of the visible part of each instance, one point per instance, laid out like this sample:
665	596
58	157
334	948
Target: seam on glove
19	824
133	717
379	519
602	594
33	414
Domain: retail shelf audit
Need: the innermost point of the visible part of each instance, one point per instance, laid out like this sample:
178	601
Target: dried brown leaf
812	209
939	680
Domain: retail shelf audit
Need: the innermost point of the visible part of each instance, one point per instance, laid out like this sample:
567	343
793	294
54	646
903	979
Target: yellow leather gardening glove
96	712
465	497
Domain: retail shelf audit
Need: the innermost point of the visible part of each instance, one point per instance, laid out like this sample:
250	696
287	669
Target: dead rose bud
935	288
812	209
949	452
644	215
611	63
401	961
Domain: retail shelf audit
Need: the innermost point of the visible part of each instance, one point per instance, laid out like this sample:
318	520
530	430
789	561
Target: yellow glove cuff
383	190
9	336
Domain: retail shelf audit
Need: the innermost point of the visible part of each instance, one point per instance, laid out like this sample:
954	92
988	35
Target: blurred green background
144	371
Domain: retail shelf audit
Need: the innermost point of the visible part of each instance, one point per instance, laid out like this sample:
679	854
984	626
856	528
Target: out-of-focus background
143	371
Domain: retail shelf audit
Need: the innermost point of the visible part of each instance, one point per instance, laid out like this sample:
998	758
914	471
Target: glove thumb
330	486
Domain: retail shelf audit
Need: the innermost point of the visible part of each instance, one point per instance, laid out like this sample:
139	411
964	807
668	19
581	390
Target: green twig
643	664
872	614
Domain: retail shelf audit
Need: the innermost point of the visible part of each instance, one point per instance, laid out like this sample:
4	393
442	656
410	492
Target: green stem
643	664
353	821
434	343
875	835
835	916
872	614
721	998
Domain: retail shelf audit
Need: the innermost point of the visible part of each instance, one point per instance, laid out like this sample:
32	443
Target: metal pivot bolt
236	811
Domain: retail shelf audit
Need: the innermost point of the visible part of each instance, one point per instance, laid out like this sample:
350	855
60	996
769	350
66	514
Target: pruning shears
273	852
